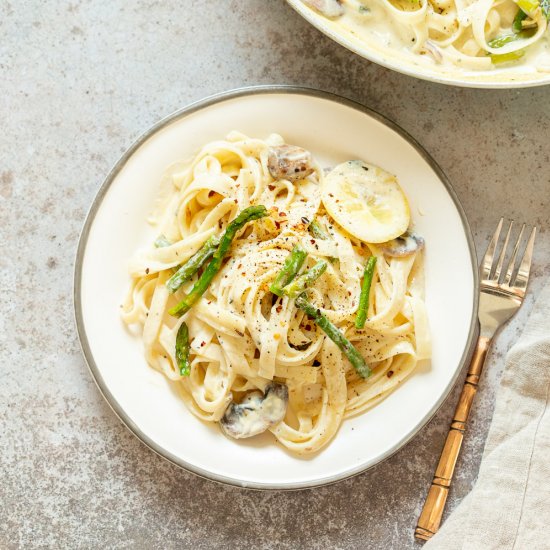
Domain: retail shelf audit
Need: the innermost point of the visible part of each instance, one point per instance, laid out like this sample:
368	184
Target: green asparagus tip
182	350
293	263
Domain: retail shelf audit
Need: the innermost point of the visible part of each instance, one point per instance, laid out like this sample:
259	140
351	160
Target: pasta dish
468	34
279	296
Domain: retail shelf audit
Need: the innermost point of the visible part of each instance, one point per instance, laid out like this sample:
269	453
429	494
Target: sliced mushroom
256	413
405	245
329	8
289	162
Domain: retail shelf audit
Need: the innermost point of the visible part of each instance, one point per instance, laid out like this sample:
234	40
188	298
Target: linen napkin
509	506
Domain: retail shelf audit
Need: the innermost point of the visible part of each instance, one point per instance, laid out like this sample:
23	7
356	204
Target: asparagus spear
199	288
507	57
500	41
365	292
298	285
516	25
182	350
292	265
335	335
193	264
317	231
504	39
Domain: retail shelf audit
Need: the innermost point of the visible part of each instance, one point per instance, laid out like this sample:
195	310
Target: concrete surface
79	81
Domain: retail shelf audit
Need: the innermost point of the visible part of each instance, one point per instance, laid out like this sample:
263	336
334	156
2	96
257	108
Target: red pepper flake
312	241
271	187
277	225
203	343
236	201
279	308
243	274
389	374
211	193
283	214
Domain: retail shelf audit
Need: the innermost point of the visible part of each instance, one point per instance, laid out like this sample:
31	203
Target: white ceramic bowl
334	129
511	76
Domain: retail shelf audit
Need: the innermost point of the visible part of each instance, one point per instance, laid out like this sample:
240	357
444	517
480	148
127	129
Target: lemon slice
366	201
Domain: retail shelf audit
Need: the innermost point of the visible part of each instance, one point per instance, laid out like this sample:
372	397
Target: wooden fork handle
430	518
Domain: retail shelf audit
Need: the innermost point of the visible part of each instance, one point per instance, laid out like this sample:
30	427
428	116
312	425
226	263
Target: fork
501	295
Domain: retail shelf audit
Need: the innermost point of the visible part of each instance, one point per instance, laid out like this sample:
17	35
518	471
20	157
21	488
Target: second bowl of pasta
480	43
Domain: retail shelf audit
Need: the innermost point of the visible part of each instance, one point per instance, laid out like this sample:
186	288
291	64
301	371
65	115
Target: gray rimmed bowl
335	129
519	75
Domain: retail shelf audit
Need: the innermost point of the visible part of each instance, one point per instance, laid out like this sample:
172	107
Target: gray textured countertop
79	81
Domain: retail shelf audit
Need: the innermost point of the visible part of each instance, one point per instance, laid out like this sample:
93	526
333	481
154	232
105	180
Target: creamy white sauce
376	24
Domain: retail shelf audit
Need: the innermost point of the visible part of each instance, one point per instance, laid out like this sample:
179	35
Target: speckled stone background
79	81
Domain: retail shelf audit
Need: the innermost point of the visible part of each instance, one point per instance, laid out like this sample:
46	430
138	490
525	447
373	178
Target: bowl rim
94	208
379	59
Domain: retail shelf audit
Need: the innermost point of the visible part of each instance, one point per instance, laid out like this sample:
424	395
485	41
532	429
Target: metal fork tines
501	295
502	291
491	270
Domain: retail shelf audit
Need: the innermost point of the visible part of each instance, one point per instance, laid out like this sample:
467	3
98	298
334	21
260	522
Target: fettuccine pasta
243	339
468	34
